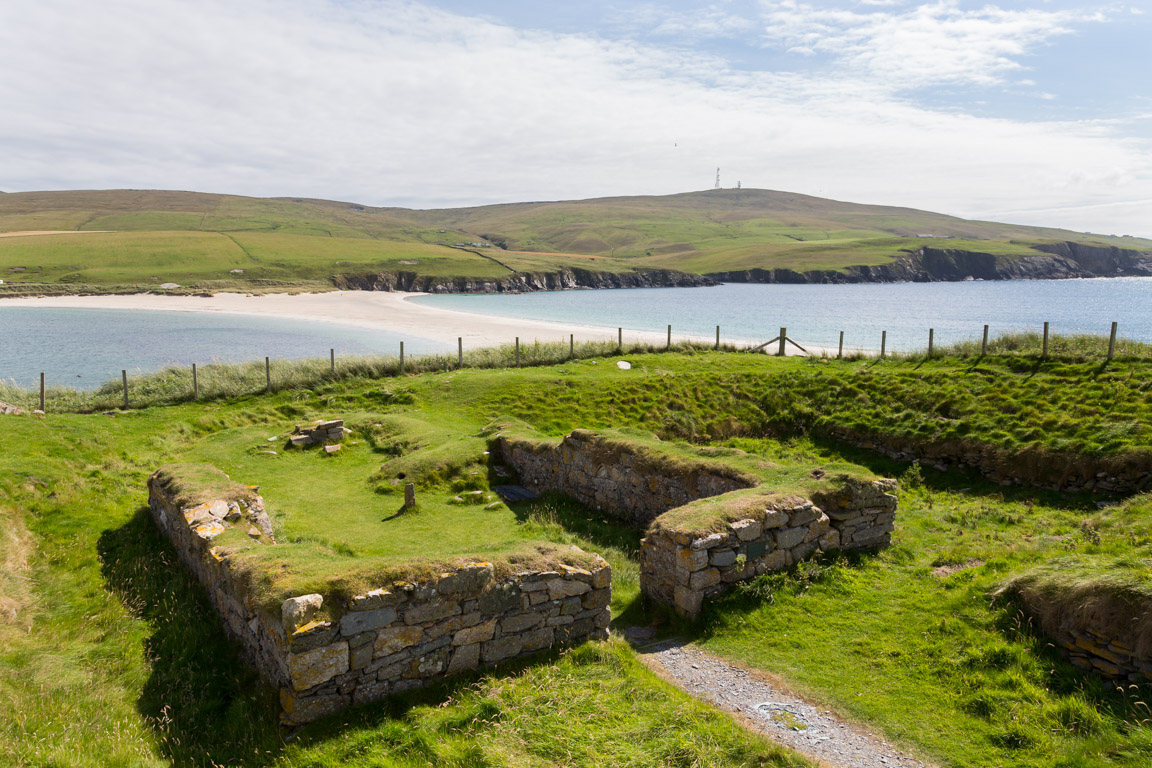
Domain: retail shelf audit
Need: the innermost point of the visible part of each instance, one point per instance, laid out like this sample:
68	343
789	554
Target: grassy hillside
109	654
144	238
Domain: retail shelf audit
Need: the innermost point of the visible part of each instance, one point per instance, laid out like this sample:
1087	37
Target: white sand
366	309
372	309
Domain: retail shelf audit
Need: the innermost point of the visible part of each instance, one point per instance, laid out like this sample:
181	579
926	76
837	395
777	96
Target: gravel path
778	714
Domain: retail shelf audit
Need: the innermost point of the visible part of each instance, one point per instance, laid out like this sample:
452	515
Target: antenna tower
717	179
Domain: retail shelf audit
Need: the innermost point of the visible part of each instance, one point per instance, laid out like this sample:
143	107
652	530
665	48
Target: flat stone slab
512	493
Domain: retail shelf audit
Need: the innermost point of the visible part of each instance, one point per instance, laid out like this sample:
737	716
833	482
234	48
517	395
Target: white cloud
398	103
930	44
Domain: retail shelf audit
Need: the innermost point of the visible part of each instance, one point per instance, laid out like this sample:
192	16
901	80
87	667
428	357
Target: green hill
139	239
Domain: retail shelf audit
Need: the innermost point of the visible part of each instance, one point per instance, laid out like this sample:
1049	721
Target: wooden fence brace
195	384
401	357
931	338
459	351
1044	354
267	375
124	377
332	358
984	344
41	391
840	351
669	337
717	337
517	351
883	343
783	340
1112	341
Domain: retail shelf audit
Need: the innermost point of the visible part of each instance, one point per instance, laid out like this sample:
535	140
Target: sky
1026	111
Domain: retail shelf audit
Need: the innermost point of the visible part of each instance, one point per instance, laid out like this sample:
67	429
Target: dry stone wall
392	639
682	569
614	477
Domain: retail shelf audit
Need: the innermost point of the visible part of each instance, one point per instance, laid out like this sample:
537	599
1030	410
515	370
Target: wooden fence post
401	357
571	346
669	337
783	339
717	337
41	391
883	343
268	375
332	358
931	338
195	384
517	351
1044	354
459	351
984	344
840	352
1112	341
619	339
124	377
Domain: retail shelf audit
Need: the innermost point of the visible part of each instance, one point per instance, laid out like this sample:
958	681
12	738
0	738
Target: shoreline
377	310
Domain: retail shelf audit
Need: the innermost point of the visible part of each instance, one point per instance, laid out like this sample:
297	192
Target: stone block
747	530
300	710
364	621
774	518
476	634
710	541
360	656
709	577
787	538
377	598
295	612
803	515
394	639
513	624
470	579
464	658
722	558
537	639
312	668
597	599
311	635
692	559
777	560
558	589
558	621
803	550
501	598
368	692
830	541
502	648
688	601
432	610
602	577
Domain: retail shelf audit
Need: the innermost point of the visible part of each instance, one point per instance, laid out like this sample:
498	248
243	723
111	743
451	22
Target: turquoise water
815	314
83	348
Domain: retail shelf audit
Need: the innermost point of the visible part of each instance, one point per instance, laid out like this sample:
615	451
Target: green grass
196	239
125	664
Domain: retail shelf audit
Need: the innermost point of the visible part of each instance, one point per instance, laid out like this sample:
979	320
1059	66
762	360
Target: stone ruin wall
1107	655
629	486
682	569
677	568
389	640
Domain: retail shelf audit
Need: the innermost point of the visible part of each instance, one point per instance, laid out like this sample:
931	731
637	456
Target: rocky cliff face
1052	262
518	282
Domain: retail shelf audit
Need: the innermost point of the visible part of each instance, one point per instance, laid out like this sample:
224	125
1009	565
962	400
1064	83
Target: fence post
984	344
332	358
1112	341
717	337
931	338
783	337
669	337
41	391
267	375
401	357
459	351
619	339
571	346
1044	354
883	343
124	378
195	384
517	351
840	351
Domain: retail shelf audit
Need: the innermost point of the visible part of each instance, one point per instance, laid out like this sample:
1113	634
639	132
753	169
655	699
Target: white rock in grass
624	365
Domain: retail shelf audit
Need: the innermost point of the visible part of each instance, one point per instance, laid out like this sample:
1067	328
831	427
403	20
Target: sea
83	348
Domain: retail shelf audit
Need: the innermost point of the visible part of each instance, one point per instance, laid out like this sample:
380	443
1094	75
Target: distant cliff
1052	262
520	282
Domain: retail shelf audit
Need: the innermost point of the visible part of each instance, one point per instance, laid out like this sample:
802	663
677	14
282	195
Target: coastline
380	310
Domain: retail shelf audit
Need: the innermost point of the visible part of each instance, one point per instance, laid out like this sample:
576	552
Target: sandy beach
366	309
